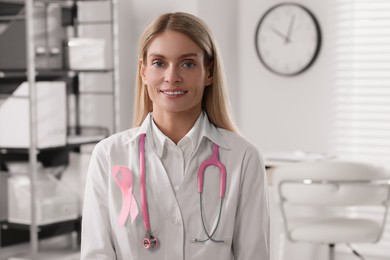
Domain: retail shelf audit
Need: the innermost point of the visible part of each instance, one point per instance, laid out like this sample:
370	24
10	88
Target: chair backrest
332	183
330	188
334	193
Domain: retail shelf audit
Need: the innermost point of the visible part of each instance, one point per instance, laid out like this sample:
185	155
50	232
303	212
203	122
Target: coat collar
208	130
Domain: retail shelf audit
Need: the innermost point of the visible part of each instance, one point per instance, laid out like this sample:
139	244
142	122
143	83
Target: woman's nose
172	75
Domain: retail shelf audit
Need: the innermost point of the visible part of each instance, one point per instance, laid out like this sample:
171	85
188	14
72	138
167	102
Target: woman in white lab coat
145	197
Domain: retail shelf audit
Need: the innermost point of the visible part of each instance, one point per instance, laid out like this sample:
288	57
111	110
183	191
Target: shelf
7	18
73	141
49	73
50	1
68	1
51	156
11	234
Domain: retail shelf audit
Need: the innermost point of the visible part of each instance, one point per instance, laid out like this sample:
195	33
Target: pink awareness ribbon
125	184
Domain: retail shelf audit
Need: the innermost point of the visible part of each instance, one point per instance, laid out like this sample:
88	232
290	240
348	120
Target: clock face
288	39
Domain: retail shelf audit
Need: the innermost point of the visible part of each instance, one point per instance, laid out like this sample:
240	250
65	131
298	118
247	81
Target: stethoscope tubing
144	203
209	236
214	160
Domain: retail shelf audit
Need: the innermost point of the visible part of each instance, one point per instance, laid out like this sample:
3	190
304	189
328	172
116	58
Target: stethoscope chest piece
150	241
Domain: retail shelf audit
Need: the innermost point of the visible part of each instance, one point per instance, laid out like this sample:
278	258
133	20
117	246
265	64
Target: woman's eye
188	64
158	64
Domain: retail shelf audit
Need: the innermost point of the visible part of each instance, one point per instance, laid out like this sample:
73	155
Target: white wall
284	113
222	18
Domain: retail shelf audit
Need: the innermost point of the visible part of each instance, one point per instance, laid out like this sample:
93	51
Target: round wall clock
288	39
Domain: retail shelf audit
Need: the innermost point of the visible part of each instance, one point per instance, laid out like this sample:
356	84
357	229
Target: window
362	85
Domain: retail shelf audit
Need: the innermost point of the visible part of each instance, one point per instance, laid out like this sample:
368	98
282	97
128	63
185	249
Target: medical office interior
85	55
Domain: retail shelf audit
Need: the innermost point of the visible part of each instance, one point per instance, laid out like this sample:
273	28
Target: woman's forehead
172	43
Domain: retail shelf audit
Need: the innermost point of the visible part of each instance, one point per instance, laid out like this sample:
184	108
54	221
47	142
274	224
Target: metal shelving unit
32	74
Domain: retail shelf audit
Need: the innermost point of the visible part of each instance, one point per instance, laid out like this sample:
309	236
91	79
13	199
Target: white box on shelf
51	116
86	53
54	202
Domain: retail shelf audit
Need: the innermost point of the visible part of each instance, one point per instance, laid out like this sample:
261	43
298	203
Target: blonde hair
215	98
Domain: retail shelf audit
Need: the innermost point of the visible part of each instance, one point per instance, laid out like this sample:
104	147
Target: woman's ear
142	71
209	77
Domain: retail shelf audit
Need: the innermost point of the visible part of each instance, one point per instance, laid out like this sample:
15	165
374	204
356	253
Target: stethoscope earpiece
150	241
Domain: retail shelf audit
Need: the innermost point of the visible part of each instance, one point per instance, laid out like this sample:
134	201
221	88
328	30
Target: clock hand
277	32
291	25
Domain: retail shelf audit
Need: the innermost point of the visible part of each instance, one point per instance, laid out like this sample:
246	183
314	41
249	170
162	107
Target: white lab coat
175	215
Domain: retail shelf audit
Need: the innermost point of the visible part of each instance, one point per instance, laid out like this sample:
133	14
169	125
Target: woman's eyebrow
189	55
183	56
156	55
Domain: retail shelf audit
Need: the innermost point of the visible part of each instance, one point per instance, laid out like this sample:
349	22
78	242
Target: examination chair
324	202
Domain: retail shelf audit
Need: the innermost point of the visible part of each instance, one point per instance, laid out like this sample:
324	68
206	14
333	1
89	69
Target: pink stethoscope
150	240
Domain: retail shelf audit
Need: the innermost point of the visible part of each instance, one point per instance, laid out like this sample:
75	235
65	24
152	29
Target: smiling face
175	74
